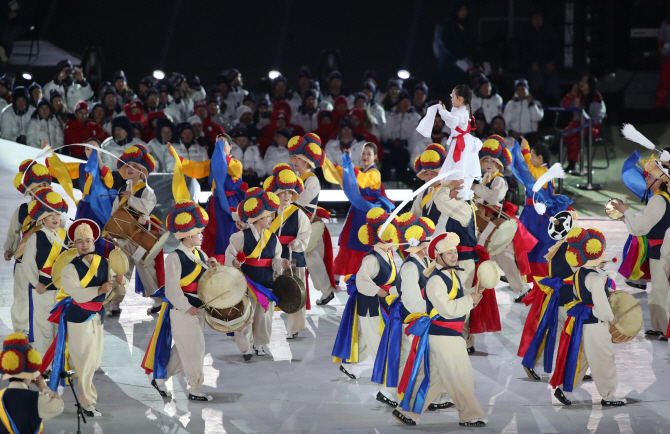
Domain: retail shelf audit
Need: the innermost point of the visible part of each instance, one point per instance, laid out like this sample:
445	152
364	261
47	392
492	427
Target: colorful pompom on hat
83	228
586	247
368	234
18	359
307	148
431	159
46	203
257	204
493	147
418	234
283	178
139	155
29	178
506	157
187	218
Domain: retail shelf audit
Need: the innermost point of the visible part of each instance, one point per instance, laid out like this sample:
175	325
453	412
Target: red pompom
614	259
241	257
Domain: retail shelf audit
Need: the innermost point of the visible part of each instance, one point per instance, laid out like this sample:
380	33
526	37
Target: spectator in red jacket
149	132
80	129
209	127
358	120
326	126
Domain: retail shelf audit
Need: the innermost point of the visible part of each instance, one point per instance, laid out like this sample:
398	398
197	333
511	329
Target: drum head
501	238
629	324
318	227
291	293
488	275
222	287
156	249
61	261
118	262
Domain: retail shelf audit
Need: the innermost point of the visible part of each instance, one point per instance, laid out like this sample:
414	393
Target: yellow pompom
16	337
39	169
390	235
52	198
251	204
430	156
183	201
405	217
375	213
416	232
574	232
491	144
302	184
273	198
428	222
10	361
267	182
593	246
32	205
364	235
34	357
151	158
293	141
314	149
131	150
18	179
572	259
287	177
183	218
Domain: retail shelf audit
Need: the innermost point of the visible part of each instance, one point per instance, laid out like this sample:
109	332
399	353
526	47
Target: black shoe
572	165
154	309
616	403
587	377
247	357
473	424
636	285
663	338
532	374
385	400
471	350
435	407
162	392
653	333
117	312
520	298
402	418
504	279
192	397
347	373
47	375
561	397
326	300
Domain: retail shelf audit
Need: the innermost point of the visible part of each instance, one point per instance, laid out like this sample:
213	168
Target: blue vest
422	280
23	213
21	406
587	298
43	250
658	232
77	314
261	275
290	229
369	304
434	328
187	267
466	234
559	267
434	213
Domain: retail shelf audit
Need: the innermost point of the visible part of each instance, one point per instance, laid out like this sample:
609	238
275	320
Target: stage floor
298	389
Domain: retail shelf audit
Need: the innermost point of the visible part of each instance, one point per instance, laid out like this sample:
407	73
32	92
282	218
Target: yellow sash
136	187
25	226
91	271
55	249
262	242
196	271
662	193
393	270
87	186
429	196
276	223
4	417
306	175
454	286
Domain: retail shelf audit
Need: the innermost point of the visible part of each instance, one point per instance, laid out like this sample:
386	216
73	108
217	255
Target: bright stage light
27	76
274	74
159	75
404	74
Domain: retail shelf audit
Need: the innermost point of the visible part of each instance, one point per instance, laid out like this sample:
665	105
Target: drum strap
195	257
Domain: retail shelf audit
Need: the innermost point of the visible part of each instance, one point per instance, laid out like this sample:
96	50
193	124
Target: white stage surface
298	389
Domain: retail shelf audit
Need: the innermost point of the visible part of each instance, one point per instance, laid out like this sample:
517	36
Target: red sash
453	325
93	306
190	288
653	243
460	141
258	262
285	239
48	269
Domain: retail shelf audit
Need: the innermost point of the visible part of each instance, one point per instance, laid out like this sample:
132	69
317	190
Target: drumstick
628	310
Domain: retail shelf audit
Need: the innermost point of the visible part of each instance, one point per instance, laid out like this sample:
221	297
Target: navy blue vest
559	267
658	232
77	314
466	234
261	275
422	280
434	213
23	214
369	304
187	267
43	250
434	328
290	229
587	298
21	405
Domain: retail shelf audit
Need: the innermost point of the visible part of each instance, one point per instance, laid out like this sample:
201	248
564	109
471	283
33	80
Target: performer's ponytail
465	92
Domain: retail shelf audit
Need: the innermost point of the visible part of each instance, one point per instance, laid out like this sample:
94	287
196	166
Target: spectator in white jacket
298	94
485	96
6	86
35	93
375	109
43	125
14	118
236	94
175	108
186	144
122	138
124	94
523	113
399	130
334	89
278	150
158	146
243	150
245	118
346	139
71	83
307	115
420	98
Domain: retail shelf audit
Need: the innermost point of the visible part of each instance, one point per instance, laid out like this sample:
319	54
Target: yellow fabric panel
370	179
